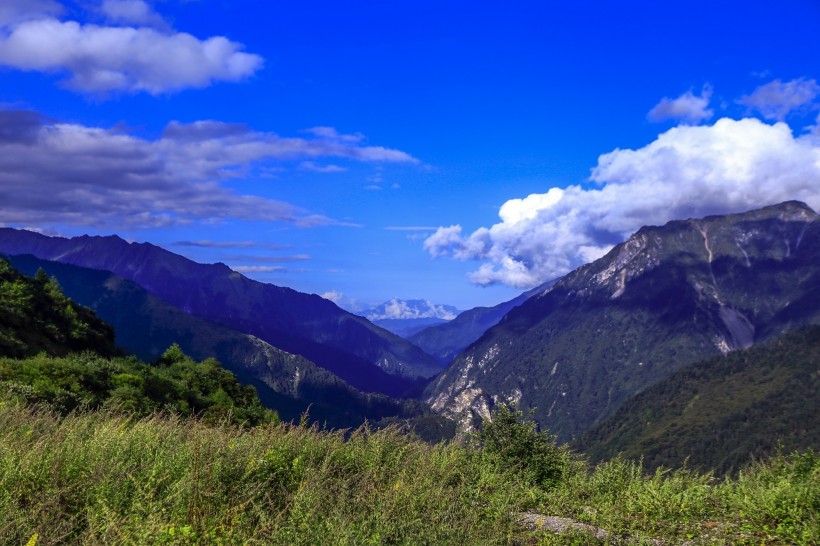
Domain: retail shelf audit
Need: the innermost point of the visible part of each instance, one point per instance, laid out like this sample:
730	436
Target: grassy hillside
98	478
719	413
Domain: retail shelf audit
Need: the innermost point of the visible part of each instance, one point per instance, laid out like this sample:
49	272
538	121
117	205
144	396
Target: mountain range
636	352
406	317
446	340
364	355
146	326
665	298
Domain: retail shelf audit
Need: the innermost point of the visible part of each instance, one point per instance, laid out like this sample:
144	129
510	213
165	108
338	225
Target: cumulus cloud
731	166
775	100
101	59
688	108
88	175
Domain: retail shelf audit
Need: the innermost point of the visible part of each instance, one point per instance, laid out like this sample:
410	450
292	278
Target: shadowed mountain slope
667	297
146	326
304	324
719	413
445	341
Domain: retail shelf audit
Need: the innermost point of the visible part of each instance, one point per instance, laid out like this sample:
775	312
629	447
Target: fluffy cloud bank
731	166
101	59
63	172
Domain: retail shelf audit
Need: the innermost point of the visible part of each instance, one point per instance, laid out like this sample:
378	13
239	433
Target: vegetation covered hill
36	317
74	368
146	326
667	297
720	413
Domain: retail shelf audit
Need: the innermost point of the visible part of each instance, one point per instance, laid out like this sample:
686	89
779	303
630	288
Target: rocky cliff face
668	296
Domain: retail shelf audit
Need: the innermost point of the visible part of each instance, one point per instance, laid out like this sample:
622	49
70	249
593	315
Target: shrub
511	441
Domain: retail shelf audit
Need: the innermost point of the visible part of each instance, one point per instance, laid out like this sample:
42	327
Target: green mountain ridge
719	413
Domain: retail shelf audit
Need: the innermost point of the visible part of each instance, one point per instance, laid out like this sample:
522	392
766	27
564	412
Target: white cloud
731	166
334	296
316	168
775	100
101	59
136	12
688	108
88	175
16	11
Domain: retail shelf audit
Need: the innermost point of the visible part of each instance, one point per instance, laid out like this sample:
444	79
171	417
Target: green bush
512	442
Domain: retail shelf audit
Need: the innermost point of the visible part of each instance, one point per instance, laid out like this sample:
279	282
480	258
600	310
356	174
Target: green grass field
101	478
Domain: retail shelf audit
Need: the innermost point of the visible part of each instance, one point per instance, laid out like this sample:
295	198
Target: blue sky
454	151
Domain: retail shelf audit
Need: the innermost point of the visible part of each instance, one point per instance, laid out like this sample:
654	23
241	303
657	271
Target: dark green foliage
515	443
175	384
720	413
35	316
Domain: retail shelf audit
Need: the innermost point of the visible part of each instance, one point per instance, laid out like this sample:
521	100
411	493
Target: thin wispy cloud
688	171
258	268
776	100
144	56
316	168
216	244
410	228
688	108
268	259
96	176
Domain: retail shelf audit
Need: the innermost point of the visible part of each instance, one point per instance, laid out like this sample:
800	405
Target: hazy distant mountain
444	341
668	296
717	414
146	326
406	317
304	324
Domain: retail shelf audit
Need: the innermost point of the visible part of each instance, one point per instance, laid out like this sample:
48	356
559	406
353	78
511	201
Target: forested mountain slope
718	414
667	297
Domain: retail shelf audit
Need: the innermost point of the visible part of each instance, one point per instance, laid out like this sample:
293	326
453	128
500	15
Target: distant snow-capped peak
410	309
